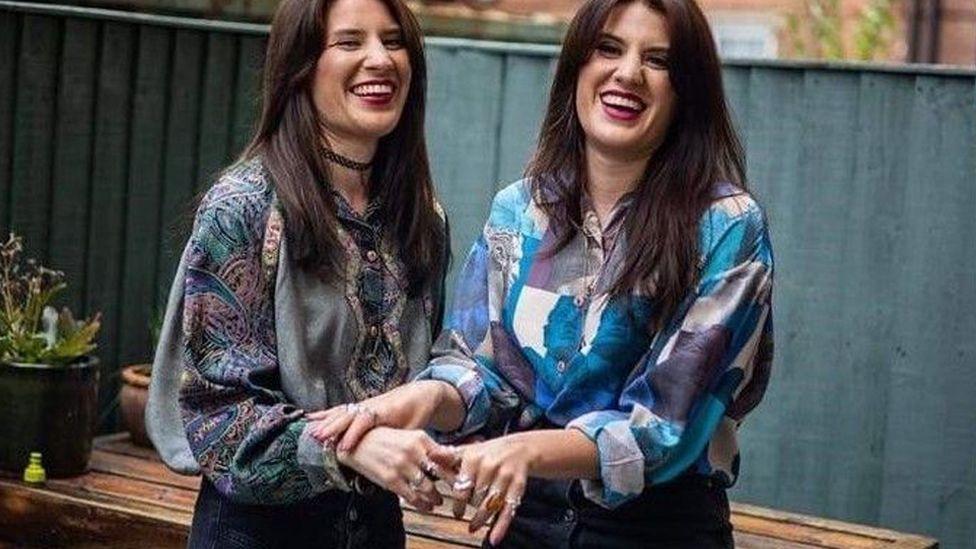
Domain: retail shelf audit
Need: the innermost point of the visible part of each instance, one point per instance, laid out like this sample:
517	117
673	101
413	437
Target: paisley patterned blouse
536	341
250	342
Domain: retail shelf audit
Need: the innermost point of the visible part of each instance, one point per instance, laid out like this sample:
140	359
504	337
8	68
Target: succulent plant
31	330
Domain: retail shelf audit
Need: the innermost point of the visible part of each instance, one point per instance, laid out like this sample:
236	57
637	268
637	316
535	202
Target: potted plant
48	377
135	391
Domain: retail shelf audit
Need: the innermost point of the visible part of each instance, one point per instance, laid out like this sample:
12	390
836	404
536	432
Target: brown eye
347	44
657	61
608	49
393	43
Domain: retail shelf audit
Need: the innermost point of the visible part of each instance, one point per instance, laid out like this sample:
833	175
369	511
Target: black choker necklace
345	162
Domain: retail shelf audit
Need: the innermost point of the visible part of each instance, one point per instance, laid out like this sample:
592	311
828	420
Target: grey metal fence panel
111	123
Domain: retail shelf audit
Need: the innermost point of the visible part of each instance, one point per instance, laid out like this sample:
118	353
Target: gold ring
494	503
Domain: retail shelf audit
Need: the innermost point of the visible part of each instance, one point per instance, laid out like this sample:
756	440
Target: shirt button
569	515
578	300
353	515
371	256
561	366
374	330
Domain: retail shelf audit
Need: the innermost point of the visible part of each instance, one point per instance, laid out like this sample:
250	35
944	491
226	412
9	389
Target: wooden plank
120	444
216	108
140	469
929	473
30	191
416	542
180	161
9	43
441	527
43	517
524	98
247	94
756	520
109	175
73	158
141	494
148	133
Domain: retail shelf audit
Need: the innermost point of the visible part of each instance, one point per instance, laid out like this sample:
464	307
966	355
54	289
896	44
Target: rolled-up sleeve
464	355
712	362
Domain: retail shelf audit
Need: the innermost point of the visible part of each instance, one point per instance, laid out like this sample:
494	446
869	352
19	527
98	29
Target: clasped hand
489	476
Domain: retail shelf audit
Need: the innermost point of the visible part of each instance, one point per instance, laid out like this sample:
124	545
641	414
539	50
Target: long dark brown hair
700	149
288	141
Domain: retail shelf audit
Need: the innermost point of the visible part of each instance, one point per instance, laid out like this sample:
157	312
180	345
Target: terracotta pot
48	409
135	391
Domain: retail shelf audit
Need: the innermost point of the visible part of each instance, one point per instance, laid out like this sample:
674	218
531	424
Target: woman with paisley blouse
611	326
313	277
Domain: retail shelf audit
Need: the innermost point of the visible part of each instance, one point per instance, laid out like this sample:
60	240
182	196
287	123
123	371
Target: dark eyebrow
347	33
652	49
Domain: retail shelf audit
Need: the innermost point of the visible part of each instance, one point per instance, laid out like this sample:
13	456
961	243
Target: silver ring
463	483
373	417
352	407
513	501
417	480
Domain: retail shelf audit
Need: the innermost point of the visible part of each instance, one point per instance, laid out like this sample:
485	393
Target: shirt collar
615	221
346	213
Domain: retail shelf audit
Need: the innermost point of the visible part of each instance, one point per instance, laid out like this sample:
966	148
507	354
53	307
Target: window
745	35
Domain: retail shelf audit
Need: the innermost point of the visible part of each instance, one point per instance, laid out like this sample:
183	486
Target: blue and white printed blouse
526	346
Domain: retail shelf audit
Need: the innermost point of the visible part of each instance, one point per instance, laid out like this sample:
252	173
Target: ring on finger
353	407
462	483
417	480
429	469
494	503
512	504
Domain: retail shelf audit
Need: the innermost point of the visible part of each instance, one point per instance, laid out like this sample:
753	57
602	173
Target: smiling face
624	98
363	75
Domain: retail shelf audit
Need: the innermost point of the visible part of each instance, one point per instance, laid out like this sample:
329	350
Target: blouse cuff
621	459
320	465
471	387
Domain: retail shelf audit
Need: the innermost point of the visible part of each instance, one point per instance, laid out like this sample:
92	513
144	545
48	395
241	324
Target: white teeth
373	89
617	101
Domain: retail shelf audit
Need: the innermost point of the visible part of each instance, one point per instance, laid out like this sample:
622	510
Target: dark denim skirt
691	512
332	520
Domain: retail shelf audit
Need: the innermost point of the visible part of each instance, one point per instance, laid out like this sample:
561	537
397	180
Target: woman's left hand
492	477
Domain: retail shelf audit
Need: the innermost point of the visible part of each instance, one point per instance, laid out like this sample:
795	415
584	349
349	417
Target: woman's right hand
409	406
397	460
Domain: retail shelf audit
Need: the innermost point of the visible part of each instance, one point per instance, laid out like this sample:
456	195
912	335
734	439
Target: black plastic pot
48	409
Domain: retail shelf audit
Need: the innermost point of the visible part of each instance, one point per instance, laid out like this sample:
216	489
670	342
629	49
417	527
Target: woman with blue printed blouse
612	324
313	277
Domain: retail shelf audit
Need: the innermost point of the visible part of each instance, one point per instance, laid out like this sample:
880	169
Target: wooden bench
130	499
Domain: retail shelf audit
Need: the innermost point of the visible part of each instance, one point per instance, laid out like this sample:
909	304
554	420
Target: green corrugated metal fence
111	123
